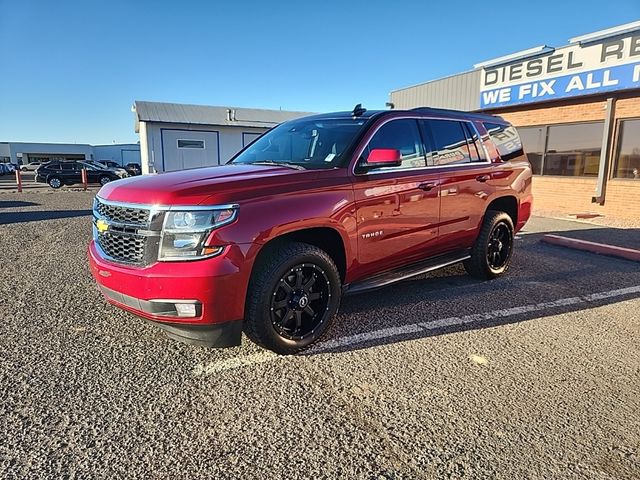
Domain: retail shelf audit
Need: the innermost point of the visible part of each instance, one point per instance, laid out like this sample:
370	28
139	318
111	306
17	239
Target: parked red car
316	208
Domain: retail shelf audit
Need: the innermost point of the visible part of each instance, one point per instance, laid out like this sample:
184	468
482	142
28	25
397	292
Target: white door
183	149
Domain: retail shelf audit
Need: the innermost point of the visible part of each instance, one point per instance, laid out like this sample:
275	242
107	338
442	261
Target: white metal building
21	153
177	136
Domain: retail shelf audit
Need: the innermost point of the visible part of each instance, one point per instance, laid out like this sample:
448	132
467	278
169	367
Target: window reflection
628	151
451	147
400	135
506	139
574	150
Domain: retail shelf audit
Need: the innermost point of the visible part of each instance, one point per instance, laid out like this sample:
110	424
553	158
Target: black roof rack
477	115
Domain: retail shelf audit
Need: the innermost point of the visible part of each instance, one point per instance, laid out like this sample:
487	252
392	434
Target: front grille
139	216
133	233
123	247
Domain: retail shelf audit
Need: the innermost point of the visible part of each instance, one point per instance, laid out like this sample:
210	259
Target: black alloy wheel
499	247
492	250
294	292
300	301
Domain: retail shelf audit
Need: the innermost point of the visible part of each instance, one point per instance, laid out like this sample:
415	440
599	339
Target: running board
393	276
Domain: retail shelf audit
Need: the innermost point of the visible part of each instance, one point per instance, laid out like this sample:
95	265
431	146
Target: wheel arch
326	238
507	204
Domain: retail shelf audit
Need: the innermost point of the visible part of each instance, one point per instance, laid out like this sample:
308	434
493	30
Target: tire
55	182
104	180
277	316
492	251
23	169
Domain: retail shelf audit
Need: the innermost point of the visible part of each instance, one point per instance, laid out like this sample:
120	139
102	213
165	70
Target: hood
209	186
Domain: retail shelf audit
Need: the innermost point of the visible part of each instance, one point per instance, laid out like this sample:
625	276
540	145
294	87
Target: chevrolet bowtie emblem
102	226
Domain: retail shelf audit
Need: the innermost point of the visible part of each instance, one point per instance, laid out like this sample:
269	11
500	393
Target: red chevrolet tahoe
315	208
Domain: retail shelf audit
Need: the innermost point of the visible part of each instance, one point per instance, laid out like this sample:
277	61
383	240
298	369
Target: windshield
303	143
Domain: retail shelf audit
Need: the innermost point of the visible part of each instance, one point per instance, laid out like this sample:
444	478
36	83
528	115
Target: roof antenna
358	110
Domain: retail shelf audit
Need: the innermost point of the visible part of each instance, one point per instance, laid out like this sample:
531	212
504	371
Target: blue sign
601	80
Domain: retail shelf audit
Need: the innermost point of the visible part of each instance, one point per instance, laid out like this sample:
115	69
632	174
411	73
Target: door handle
427	186
483	178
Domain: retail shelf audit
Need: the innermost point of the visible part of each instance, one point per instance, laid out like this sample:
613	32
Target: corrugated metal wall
459	92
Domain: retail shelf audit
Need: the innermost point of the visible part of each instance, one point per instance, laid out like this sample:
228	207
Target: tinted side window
401	135
533	141
475	150
52	166
68	166
450	145
506	140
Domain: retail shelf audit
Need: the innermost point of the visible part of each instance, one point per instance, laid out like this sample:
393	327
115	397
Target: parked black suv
57	174
133	169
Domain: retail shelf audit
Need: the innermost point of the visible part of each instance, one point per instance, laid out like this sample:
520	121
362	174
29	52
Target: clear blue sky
70	70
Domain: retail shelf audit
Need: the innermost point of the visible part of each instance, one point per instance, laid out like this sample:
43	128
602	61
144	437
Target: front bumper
216	285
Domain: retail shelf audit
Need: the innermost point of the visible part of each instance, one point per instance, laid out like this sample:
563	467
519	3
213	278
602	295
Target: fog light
186	309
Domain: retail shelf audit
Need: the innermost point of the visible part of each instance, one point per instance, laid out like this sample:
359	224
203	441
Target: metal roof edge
436	80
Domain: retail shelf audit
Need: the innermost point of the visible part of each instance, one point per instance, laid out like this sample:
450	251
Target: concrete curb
599	248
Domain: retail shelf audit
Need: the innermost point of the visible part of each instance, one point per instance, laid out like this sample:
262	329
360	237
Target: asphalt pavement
533	375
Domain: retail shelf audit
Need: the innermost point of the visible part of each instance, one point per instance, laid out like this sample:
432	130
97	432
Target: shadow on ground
559	279
24	217
17	204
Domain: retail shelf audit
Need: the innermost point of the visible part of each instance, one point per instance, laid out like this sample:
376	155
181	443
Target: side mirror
384	157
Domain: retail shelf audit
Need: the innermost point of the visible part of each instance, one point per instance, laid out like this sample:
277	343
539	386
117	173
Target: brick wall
563	194
560	114
622	199
628	107
572	195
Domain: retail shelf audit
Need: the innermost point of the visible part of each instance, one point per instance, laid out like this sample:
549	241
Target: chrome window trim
481	142
414	169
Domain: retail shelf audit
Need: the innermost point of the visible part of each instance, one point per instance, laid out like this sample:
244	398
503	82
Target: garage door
189	149
130	156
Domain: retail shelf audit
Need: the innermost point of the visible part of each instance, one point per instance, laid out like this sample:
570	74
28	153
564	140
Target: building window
628	151
190	143
573	150
533	139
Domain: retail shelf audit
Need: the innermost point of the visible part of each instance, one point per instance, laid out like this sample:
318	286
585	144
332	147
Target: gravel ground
87	390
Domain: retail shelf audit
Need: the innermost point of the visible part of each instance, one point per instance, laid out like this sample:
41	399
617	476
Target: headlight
184	233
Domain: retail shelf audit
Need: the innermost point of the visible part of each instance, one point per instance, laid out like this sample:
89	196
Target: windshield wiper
279	164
